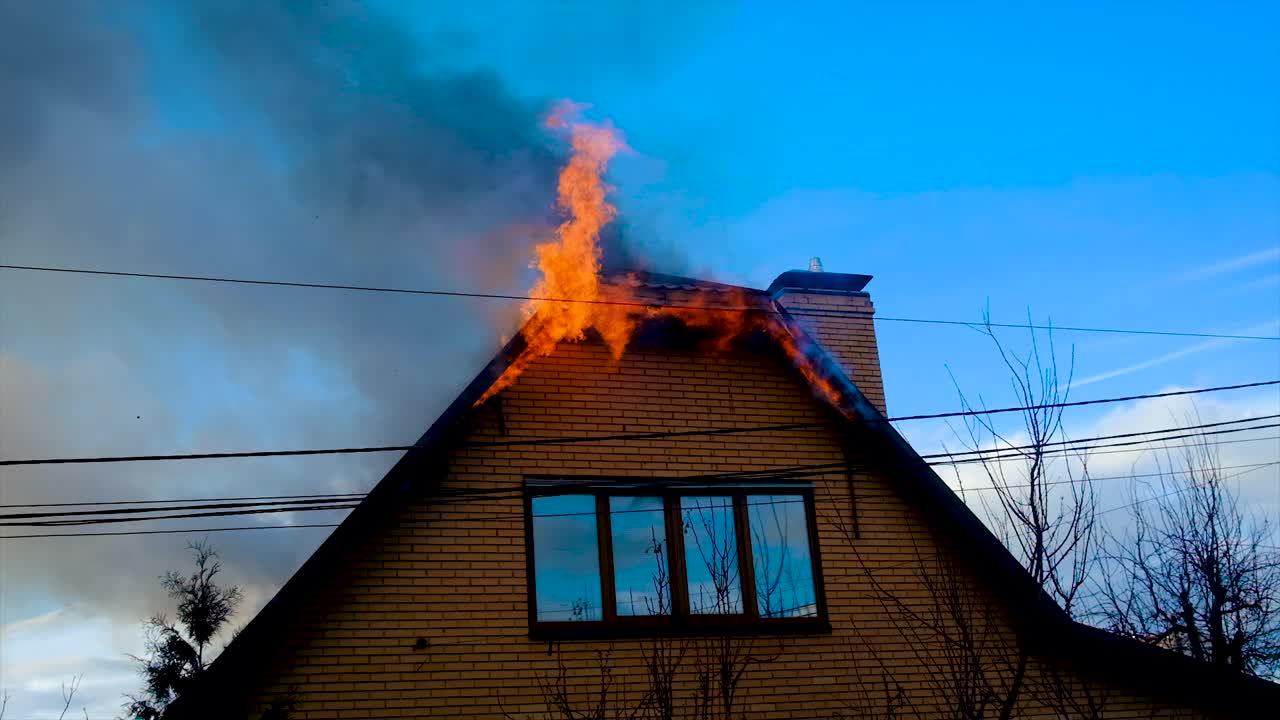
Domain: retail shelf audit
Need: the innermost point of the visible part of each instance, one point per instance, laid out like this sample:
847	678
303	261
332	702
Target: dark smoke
285	140
302	141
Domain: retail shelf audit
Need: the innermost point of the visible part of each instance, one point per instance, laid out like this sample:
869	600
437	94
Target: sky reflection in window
639	555
711	555
566	558
780	555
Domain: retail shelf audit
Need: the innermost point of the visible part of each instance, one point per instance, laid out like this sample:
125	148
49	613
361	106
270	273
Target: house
718	523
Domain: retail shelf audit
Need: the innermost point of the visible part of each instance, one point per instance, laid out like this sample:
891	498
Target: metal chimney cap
819	282
815	264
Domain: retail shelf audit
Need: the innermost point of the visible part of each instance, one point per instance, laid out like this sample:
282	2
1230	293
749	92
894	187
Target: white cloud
1262	283
1152	362
42	654
1269	328
1229	265
1239	453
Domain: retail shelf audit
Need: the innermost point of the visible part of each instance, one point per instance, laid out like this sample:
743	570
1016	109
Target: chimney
836	312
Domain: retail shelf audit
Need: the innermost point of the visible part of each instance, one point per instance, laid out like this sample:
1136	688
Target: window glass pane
780	553
711	555
639	556
566	558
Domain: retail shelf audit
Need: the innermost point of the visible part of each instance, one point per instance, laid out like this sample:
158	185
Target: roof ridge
670	281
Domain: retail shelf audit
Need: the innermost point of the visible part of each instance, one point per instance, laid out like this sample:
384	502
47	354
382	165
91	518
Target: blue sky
1109	165
1089	163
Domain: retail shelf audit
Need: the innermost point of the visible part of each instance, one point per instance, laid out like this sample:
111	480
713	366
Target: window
616	558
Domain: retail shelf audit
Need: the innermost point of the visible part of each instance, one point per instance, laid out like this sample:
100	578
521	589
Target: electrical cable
604	438
502	296
334	525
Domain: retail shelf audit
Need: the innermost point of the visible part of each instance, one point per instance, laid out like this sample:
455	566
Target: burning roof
572	296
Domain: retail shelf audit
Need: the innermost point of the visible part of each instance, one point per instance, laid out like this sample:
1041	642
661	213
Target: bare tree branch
1192	571
69	693
1046	505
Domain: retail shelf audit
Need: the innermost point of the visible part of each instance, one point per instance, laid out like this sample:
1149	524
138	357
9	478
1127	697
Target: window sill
697	628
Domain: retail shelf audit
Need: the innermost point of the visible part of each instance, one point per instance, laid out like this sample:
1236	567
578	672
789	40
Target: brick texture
850	339
453	572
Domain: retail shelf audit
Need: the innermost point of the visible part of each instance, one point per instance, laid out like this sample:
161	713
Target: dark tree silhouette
1046	506
177	652
1193	572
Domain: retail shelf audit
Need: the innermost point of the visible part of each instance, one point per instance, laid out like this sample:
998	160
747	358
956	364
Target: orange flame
570	297
567	298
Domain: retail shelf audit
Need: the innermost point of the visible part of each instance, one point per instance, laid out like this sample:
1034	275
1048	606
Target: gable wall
454	572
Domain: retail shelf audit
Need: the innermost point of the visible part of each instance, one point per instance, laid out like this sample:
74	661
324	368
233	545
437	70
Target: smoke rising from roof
283	140
296	141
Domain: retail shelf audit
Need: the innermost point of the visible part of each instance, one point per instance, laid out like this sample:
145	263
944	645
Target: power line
503	296
774	477
270	510
1081	403
169	532
487	516
608	438
287	503
344	496
346	502
763	478
1062	452
279	505
1066	444
1178	491
182	500
1086	480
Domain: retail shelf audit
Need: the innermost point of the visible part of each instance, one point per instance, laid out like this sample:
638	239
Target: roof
1055	633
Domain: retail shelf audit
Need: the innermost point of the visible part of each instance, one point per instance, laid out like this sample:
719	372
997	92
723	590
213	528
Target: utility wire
1081	403
486	517
283	505
344	497
1064	452
170	532
780	479
86	503
609	438
494	494
776	475
1178	491
501	296
1059	443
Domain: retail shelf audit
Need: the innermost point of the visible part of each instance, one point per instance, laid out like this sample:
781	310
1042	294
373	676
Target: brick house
686	531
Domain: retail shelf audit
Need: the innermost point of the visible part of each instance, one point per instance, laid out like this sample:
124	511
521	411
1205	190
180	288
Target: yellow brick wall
454	572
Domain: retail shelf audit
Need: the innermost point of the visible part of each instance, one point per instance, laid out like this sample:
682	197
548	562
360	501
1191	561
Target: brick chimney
848	334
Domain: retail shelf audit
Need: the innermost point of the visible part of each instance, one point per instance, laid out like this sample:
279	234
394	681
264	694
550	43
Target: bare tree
1046	505
1193	572
969	658
662	656
962	642
69	694
874	694
177	651
601	699
720	661
69	691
